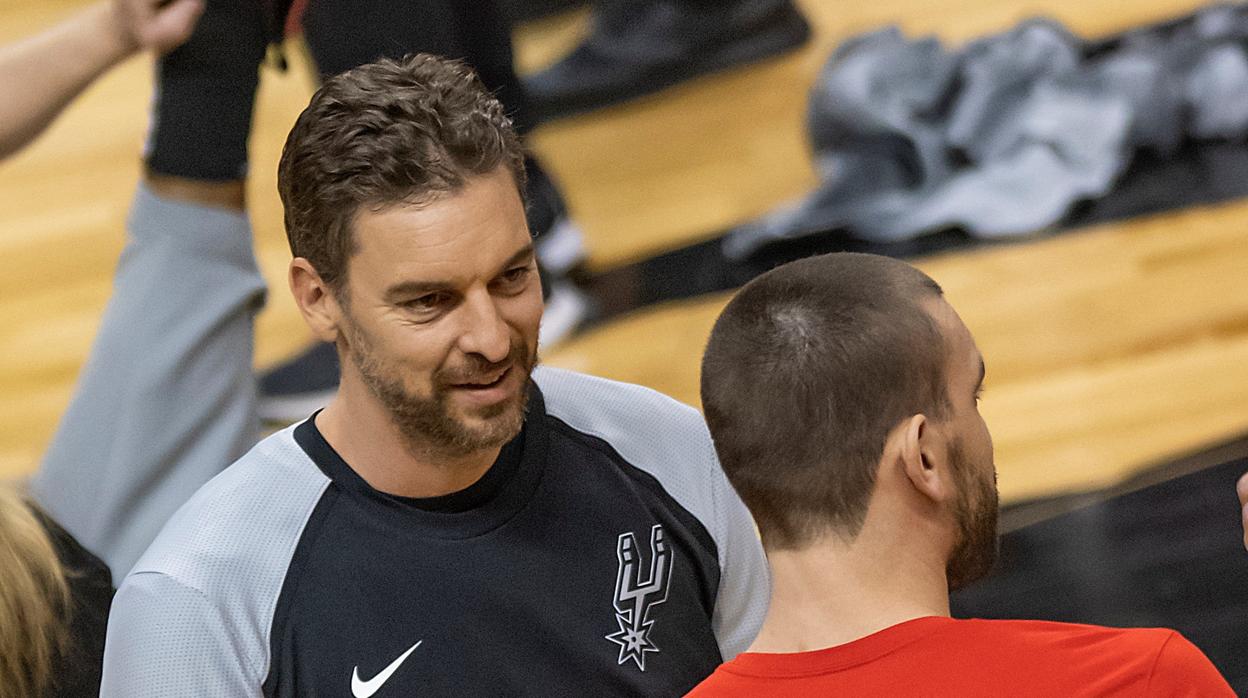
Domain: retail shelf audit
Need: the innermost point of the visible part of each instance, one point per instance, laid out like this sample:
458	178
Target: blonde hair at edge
34	598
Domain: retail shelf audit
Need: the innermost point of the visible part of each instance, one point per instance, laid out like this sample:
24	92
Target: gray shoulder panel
669	440
197	609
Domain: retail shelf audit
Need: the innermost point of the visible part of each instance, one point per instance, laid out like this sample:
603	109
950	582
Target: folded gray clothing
1003	137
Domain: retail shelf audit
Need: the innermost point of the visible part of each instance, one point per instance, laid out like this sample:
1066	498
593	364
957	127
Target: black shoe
641	46
525	10
299	387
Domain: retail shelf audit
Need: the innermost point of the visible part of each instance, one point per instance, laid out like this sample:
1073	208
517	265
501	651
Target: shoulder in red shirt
946	657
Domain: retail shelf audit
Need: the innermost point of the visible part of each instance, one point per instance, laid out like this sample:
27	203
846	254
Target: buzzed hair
807	370
385	133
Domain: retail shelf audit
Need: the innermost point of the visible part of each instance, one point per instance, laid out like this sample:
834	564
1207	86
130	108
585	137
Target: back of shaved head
807	370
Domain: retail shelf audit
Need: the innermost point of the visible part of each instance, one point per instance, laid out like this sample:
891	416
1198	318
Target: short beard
426	423
976	512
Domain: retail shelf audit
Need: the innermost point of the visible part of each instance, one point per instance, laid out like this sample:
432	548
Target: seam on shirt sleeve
236	642
1152	672
710	464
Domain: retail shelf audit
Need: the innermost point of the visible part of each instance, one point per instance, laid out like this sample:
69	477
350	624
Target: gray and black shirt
604	550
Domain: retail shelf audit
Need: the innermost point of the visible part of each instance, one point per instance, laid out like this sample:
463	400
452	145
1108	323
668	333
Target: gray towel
1003	137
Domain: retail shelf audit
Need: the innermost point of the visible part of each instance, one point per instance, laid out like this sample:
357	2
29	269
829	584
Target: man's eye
427	302
514	276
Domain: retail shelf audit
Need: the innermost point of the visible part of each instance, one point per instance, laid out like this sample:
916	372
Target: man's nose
484	333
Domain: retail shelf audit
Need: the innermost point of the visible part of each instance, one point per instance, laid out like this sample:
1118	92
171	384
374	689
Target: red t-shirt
947	657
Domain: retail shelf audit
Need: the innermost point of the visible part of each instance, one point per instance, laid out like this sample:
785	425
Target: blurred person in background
54	594
842	394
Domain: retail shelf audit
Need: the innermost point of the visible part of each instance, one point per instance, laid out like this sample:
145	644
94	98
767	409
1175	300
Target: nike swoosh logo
365	689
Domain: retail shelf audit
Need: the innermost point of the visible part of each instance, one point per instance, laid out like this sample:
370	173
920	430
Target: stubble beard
428	424
976	512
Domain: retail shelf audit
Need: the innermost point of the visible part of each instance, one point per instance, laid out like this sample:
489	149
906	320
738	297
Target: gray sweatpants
167	397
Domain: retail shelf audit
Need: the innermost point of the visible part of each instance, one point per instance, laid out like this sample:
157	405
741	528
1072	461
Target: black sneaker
641	46
299	387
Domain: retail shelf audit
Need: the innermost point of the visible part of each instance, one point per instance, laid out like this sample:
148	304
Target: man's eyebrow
408	289
524	254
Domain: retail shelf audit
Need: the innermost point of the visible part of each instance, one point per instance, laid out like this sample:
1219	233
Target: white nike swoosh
365	689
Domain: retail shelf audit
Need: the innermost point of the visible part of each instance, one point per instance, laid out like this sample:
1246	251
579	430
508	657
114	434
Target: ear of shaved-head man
842	395
1242	489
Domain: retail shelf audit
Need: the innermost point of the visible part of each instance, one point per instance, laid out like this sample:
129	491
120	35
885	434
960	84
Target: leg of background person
487	48
167	398
205	93
342	34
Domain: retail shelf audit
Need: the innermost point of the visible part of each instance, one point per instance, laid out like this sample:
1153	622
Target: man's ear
315	299
925	460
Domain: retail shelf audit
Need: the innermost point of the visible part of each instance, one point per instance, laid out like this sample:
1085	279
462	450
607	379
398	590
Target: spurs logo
634	598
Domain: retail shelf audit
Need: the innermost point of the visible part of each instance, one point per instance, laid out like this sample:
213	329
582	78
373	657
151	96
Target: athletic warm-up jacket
603	553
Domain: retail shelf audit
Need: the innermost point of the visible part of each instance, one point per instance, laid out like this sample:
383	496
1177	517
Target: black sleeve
77	670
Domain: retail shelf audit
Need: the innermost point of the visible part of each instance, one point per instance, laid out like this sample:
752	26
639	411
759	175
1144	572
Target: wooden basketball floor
1108	349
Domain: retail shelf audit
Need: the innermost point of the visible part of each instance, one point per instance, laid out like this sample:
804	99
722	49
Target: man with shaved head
842	396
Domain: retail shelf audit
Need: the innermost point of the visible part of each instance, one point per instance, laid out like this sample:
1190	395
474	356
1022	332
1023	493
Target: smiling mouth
485	382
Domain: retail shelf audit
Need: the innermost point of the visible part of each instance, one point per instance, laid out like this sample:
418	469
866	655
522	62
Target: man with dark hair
455	521
842	395
202	114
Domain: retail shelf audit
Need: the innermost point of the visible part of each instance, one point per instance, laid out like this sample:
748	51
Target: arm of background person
166	398
41	74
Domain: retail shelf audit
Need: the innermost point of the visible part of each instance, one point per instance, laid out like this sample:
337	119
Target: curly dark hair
381	134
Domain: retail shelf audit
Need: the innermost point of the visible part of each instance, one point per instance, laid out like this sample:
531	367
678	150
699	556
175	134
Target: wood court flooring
1109	349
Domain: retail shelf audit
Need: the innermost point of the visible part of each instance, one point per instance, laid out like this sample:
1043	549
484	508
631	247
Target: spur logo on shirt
635	598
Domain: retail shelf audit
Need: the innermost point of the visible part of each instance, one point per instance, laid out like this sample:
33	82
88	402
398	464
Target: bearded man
454	522
842	394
